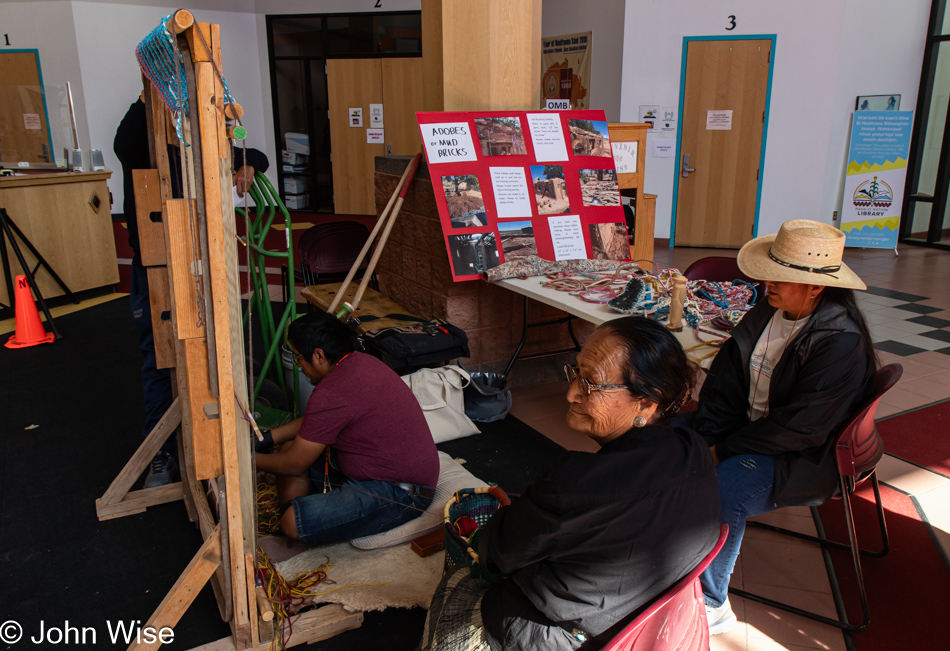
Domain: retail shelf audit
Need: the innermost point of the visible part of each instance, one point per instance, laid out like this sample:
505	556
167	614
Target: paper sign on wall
649	113
514	184
663	147
356	117
375	136
719	120
376	116
31	121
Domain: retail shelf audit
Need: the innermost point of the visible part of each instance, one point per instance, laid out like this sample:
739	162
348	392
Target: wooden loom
189	246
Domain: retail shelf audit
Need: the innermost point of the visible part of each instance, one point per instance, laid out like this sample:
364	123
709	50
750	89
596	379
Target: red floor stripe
922	437
908	590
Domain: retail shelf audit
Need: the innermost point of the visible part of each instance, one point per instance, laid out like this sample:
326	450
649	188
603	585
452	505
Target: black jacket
131	148
598	537
821	380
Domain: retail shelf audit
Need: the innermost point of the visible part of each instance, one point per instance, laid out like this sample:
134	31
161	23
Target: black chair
858	449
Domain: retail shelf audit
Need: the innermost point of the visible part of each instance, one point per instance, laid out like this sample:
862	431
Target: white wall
827	52
605	21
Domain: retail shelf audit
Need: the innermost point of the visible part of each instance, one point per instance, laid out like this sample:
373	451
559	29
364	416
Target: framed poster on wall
509	184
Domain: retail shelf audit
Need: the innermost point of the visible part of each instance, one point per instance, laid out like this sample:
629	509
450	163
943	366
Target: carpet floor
921	437
71	418
908	589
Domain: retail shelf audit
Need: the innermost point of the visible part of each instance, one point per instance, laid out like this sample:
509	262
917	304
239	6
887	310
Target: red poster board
515	183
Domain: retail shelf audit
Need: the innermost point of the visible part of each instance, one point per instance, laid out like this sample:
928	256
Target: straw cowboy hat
803	251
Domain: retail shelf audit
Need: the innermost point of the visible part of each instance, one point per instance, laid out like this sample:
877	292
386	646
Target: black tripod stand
7	230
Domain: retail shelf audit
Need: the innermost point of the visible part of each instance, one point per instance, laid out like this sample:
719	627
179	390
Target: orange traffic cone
29	328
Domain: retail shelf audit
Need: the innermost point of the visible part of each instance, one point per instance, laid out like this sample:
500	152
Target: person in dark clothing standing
796	367
131	148
602	535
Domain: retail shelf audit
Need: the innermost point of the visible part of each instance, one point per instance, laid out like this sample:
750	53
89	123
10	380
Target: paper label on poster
511	192
376	116
649	113
356	116
375	136
625	156
567	237
719	120
31	121
448	142
547	136
663	147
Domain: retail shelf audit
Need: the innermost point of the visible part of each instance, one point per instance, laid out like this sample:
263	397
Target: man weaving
383	464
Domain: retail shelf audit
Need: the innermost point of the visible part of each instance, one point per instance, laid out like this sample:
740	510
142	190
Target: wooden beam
143	456
189	584
138	501
163	329
203	408
312	626
182	224
148	201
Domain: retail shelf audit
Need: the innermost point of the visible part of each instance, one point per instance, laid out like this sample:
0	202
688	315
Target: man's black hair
324	331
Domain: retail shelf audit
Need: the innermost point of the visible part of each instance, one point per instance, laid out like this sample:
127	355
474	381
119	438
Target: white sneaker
721	619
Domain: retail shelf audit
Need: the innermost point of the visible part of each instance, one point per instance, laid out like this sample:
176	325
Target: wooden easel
199	285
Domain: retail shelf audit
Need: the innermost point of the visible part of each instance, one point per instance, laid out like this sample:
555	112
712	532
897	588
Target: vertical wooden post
677	304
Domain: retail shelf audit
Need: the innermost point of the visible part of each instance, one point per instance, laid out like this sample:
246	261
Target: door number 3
732	23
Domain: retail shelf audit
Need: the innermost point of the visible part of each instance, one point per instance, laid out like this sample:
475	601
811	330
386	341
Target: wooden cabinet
59	215
631	184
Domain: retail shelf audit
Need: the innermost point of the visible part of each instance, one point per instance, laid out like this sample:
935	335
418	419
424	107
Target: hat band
827	271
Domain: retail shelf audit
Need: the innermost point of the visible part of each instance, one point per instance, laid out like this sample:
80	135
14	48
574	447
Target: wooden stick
264	606
678	302
413	166
369	242
182	20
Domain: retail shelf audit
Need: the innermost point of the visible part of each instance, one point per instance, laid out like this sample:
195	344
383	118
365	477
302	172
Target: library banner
874	183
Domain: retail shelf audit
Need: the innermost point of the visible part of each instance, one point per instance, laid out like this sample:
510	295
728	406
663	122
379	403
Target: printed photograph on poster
448	142
547	137
473	254
589	138
609	241
567	237
500	136
877	103
517	240
599	187
463	196
511	191
550	189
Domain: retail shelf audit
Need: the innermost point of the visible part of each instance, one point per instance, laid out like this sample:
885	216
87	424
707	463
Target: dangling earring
639	421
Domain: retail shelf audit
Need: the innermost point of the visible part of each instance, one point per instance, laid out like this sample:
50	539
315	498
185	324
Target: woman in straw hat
796	367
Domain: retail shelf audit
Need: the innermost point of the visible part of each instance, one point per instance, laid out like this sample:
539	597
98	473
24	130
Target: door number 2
732	23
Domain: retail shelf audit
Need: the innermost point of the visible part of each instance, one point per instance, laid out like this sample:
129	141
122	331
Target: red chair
327	251
858	449
676	621
717	269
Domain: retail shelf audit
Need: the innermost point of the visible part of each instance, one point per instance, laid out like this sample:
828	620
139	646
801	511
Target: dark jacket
131	148
598	537
821	380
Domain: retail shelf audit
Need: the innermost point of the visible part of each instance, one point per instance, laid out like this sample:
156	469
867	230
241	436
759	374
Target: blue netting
163	65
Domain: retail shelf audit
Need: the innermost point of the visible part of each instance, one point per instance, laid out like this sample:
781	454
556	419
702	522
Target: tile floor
908	310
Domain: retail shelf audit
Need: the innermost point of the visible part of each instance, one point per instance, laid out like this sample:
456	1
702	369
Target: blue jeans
353	509
745	489
156	382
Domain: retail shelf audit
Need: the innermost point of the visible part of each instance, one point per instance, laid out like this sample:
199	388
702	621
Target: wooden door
402	97
24	134
716	203
353	83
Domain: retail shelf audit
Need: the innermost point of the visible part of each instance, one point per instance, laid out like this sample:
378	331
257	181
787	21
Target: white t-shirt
765	357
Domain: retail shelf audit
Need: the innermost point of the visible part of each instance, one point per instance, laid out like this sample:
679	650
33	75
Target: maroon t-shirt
374	423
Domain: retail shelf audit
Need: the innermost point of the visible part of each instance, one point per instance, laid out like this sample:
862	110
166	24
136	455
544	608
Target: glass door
926	207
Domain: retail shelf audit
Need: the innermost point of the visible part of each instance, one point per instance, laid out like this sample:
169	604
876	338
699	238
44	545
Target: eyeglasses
297	358
586	385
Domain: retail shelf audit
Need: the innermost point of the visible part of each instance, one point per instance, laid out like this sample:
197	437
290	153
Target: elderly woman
797	366
600	535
